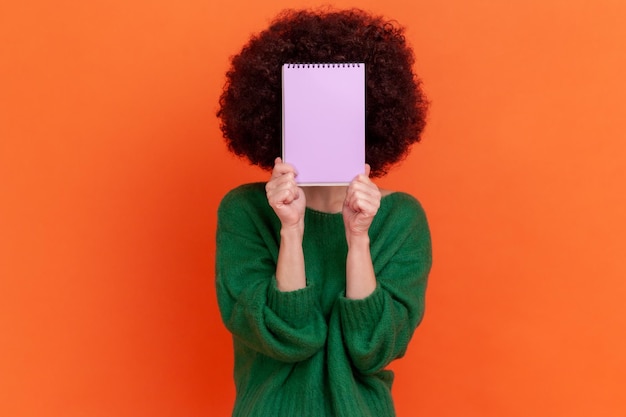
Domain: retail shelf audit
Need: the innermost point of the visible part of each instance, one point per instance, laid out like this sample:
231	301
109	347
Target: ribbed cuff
294	307
361	313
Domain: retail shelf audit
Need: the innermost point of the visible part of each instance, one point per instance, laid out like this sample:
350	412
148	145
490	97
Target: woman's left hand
360	206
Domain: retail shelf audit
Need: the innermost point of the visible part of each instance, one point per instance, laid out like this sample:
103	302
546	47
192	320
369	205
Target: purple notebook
324	122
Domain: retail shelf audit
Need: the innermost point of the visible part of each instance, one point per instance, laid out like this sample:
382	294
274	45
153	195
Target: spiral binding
324	65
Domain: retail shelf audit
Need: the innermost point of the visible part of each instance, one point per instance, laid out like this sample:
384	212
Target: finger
364	196
365	208
363	189
282	168
277	181
364	178
283	196
278	161
285	181
363	183
368	189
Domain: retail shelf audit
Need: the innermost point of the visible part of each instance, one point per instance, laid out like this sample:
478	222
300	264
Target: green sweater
312	352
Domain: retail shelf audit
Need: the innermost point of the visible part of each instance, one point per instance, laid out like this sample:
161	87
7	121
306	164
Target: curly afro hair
250	105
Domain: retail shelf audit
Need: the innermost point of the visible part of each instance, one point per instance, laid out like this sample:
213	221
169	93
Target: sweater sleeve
286	326
378	328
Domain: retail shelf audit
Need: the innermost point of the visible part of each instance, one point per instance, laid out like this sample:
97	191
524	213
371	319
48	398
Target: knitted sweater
313	352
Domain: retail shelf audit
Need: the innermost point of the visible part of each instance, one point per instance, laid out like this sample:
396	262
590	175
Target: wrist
358	241
292	233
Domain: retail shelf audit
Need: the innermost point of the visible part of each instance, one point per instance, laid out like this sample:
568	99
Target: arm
288	202
360	207
284	325
378	324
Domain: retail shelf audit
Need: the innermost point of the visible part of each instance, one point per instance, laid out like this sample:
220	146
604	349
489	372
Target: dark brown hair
250	105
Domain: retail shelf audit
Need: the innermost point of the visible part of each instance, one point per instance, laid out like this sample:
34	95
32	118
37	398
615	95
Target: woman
321	287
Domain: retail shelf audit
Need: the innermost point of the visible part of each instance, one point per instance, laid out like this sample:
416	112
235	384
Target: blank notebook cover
324	122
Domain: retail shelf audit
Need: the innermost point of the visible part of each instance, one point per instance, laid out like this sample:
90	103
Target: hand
361	205
285	197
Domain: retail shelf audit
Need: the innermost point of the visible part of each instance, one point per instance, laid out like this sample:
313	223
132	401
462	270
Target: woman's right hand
285	197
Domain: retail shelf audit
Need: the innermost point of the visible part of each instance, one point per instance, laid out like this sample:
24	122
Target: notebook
324	121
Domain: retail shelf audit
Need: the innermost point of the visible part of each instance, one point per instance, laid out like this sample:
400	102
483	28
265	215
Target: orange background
112	166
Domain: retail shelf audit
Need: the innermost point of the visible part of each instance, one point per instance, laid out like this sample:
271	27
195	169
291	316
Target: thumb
368	169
